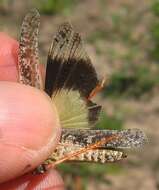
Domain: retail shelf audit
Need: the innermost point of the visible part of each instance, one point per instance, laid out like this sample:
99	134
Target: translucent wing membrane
128	138
74	111
29	72
68	65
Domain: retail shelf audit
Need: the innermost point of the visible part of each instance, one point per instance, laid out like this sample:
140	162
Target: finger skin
8	58
50	181
29	129
29	125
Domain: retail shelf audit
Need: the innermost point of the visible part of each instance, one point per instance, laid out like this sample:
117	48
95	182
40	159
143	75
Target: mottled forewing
29	72
128	138
68	65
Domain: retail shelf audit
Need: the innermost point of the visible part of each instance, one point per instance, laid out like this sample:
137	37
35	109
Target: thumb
29	129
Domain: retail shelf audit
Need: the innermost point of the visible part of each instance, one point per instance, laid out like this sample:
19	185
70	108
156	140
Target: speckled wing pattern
128	138
29	72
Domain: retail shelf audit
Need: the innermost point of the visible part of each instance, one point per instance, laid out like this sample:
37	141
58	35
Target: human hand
29	127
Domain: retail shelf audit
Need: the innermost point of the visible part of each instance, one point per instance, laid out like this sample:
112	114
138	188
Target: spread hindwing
68	65
70	69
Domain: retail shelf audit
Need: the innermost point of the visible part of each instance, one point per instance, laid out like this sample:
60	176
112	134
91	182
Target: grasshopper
71	81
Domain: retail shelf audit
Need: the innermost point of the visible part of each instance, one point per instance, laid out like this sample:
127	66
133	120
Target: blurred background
122	39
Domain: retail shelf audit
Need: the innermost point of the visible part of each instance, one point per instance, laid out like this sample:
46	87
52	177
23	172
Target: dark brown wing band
68	65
